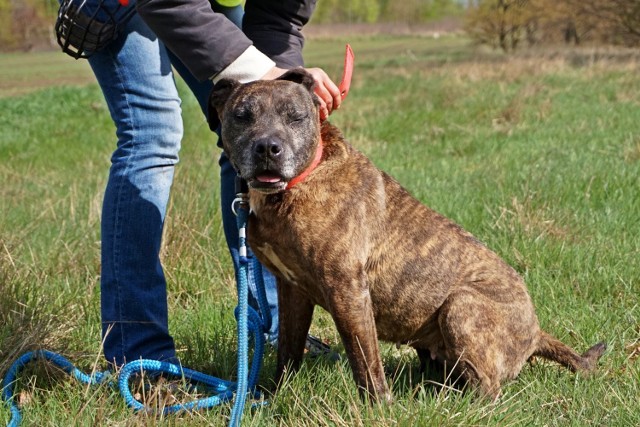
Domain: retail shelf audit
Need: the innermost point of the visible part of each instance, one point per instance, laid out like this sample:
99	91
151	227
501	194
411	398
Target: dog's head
270	128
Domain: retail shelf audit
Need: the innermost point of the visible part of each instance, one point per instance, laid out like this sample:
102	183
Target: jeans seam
119	200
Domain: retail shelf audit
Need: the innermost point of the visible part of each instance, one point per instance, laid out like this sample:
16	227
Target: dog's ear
301	76
218	97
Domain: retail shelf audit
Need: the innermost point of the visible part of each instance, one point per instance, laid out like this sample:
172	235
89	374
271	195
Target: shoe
314	347
158	391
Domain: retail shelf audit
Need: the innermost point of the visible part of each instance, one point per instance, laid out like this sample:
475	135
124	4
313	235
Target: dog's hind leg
477	344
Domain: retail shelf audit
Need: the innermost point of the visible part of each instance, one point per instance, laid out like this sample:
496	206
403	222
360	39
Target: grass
538	155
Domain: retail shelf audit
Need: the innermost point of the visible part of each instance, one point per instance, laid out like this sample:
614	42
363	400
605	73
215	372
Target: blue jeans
135	74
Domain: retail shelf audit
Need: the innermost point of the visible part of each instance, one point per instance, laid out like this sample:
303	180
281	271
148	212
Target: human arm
205	41
213	48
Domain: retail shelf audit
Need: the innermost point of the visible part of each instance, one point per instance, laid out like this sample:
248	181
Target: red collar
314	163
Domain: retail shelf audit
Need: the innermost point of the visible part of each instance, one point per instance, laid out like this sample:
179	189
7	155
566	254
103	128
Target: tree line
512	24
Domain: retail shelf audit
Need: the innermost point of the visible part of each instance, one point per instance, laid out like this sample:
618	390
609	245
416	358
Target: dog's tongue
268	177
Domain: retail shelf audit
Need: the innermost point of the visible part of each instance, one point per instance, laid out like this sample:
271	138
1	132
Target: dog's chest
284	250
274	260
287	265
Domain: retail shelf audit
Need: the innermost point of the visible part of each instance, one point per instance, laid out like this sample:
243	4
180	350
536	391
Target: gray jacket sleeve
206	42
275	26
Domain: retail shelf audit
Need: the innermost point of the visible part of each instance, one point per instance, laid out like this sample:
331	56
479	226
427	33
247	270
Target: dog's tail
555	350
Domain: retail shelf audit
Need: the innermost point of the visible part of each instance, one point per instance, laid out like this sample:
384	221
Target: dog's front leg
295	311
352	312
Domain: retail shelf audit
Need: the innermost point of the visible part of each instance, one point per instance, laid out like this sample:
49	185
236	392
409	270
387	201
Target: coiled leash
248	319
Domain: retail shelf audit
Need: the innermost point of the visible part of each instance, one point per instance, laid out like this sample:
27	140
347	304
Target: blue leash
247	377
56	359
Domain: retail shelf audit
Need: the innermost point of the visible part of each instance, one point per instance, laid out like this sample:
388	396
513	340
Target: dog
339	233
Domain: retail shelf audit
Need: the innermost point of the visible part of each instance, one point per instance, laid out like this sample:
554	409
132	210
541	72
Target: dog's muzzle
267	156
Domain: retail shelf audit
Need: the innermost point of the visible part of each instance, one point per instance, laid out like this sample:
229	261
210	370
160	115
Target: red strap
345	83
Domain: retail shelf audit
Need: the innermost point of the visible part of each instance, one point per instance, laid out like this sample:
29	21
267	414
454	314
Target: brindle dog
350	239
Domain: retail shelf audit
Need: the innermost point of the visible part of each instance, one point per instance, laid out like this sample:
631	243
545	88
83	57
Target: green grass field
538	155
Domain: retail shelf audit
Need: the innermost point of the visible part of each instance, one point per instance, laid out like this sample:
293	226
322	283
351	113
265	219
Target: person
203	42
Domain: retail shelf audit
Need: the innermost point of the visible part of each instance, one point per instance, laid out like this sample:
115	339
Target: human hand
326	90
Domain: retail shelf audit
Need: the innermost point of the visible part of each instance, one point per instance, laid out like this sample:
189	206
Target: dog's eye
297	116
243	114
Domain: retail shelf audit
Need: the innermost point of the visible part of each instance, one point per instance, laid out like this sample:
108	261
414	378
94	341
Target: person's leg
201	91
135	75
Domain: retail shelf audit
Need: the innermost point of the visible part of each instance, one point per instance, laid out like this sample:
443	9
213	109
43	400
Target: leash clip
242	196
241	201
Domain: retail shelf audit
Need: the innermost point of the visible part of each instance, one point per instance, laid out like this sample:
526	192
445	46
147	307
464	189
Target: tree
613	21
499	23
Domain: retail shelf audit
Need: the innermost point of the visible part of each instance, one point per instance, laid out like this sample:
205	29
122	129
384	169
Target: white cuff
249	66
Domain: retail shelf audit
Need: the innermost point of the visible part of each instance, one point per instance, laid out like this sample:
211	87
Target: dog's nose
267	147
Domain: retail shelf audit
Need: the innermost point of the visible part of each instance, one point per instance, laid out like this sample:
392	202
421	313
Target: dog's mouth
268	182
